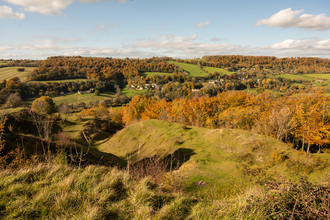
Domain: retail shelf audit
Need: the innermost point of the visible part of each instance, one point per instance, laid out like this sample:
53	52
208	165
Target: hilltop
211	155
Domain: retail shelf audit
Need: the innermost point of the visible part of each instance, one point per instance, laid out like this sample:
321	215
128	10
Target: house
195	90
62	93
80	92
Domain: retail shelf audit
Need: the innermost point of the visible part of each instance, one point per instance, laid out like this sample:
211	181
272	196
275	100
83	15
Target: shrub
97	92
43	105
20	69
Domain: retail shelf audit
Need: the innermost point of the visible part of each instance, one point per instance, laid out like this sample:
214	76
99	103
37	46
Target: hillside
211	155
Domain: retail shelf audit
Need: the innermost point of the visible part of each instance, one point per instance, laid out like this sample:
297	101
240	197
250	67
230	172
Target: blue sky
36	29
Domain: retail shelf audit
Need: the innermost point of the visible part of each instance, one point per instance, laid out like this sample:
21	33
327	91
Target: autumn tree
14	100
43	105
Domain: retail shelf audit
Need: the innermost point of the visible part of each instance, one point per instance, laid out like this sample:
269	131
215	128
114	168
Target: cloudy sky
36	29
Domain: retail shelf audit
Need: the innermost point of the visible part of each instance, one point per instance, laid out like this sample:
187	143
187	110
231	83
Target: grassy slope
154	73
212	155
321	76
292	76
194	70
64	80
76	98
9	72
215	69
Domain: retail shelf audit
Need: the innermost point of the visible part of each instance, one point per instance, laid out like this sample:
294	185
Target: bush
301	200
20	69
97	92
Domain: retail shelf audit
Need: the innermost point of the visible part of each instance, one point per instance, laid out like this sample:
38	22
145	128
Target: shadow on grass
173	161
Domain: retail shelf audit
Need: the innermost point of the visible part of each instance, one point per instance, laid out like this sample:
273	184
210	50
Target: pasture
4	62
77	98
320	76
293	76
9	72
63	81
149	74
194	70
215	69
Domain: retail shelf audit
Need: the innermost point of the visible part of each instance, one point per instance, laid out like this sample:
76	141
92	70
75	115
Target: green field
320	76
64	80
3	63
293	76
9	72
194	70
145	74
77	98
215	69
10	110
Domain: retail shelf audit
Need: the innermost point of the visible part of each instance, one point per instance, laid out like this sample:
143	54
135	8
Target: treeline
301	119
22	63
30	89
235	62
99	68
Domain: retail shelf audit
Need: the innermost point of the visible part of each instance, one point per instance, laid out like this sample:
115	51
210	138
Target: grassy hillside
293	76
154	73
218	156
64	80
77	98
321	76
9	72
194	70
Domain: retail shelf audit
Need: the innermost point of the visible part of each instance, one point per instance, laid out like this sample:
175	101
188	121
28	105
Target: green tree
97	92
43	105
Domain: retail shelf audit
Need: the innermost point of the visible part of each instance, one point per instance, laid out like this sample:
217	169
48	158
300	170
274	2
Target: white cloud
287	18
46	7
217	39
180	46
302	47
51	7
190	38
170	36
46	45
174	46
7	12
5	48
303	44
203	24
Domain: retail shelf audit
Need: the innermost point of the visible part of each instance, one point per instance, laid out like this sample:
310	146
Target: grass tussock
95	192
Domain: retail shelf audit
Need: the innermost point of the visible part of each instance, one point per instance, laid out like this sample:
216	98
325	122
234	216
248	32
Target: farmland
149	74
9	72
63	81
320	76
293	76
90	97
194	70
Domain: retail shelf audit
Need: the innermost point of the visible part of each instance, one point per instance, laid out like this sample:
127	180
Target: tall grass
55	191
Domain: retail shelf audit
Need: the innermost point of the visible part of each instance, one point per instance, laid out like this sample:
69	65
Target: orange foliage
302	116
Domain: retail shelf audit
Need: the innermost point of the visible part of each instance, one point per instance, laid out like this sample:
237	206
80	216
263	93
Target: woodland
217	137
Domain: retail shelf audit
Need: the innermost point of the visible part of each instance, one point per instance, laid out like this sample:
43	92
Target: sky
37	29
